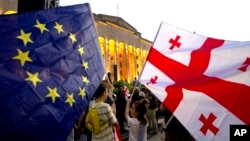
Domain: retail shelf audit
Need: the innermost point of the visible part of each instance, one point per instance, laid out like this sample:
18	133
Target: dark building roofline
117	21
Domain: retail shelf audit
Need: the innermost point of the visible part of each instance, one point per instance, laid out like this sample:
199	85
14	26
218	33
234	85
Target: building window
120	64
137	65
136	57
120	72
120	55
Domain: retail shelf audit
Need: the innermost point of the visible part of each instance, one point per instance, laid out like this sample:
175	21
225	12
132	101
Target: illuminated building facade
8	5
124	50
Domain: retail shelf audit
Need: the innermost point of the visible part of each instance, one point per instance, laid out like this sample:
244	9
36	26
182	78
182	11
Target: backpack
92	122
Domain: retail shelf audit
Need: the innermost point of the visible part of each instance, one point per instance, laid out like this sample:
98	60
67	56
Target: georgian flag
204	81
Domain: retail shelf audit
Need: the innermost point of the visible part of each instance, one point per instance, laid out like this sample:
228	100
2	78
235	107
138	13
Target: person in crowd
135	95
121	105
152	110
81	122
135	81
106	116
126	92
137	122
81	125
116	128
109	80
142	93
174	130
110	100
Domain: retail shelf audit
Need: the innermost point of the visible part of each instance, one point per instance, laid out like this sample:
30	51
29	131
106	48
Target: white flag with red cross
203	81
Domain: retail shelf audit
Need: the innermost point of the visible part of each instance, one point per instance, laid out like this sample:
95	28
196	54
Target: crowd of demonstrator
136	114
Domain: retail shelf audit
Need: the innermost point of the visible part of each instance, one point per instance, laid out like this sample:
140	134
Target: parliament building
123	49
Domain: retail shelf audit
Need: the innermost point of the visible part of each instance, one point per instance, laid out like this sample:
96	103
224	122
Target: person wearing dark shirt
152	109
120	108
135	95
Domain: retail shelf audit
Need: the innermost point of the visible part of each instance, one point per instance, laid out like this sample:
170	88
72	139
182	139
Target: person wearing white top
137	122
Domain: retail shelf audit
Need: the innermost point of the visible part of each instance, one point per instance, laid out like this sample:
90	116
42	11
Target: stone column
127	61
135	63
117	60
107	55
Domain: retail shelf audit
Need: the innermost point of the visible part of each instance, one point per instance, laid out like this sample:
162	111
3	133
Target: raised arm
127	109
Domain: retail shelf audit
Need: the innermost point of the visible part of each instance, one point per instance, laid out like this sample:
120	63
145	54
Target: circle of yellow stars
33	78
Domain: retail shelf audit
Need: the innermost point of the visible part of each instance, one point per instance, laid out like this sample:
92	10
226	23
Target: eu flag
50	66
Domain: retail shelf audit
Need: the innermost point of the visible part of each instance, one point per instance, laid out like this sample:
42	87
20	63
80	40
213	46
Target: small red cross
208	124
245	65
153	80
175	42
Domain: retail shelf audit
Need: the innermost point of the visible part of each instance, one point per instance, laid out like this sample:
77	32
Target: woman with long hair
137	122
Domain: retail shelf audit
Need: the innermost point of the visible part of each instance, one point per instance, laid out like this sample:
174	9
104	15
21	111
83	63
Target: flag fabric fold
50	67
203	81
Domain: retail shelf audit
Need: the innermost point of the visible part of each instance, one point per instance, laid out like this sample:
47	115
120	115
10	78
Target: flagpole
148	54
169	120
165	125
117	8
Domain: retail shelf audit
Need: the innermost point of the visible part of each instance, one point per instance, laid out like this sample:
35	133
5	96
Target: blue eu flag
50	66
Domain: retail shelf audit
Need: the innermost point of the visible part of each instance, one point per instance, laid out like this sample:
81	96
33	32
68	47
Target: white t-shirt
137	132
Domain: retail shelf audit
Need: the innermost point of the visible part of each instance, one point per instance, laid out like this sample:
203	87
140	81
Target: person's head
135	95
108	77
120	87
146	91
143	89
109	73
102	91
109	84
137	90
138	110
140	97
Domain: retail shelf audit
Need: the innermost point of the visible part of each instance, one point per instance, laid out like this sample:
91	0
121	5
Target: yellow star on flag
22	56
72	37
85	65
33	78
53	94
59	28
25	37
82	93
42	27
85	79
81	50
70	99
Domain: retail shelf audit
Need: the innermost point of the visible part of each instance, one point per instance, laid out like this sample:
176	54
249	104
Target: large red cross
175	42
232	96
208	124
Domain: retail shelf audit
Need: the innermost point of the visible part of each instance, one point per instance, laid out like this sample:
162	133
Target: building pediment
117	21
